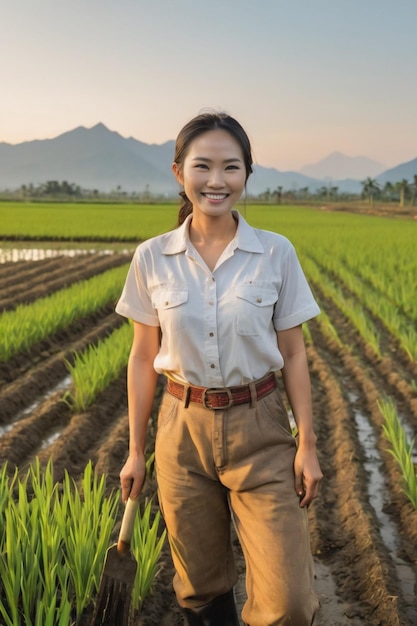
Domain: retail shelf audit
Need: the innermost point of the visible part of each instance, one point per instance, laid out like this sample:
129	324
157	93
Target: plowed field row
53	275
363	529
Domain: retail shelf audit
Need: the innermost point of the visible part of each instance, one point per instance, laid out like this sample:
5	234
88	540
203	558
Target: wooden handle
126	529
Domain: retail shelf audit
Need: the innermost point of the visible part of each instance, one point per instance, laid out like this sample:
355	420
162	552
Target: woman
218	307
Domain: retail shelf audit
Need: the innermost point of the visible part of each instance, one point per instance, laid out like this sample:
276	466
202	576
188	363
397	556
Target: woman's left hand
307	475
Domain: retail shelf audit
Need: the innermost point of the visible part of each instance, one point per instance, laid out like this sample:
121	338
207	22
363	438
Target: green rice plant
53	542
46	527
327	328
85	221
146	548
30	561
97	366
401	448
29	323
85	519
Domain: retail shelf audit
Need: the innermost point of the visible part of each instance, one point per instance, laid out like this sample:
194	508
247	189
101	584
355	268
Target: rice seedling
45	530
401	448
53	542
97	366
146	548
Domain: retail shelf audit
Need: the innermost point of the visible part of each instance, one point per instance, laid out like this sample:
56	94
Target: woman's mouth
215	196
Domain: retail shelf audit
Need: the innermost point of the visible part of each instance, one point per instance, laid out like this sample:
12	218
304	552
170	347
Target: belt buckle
205	400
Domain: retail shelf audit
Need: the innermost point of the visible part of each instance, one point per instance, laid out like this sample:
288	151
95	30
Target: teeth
215	196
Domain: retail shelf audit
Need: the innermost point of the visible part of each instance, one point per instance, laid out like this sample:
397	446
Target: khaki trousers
214	466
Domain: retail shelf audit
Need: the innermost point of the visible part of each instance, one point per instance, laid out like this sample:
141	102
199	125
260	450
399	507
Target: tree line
401	192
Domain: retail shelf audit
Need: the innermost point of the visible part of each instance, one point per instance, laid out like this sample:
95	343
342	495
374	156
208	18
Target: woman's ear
177	173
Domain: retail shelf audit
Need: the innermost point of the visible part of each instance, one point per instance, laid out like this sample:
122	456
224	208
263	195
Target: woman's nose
215	179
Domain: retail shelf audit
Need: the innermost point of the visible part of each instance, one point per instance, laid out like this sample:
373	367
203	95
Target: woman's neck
212	230
211	237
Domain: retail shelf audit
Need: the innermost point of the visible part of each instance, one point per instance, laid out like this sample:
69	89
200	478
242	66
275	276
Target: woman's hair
197	126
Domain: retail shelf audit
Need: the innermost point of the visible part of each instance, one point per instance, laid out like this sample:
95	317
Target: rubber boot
219	612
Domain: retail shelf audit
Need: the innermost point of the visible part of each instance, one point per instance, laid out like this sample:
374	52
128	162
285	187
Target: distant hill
99	158
406	170
95	158
340	166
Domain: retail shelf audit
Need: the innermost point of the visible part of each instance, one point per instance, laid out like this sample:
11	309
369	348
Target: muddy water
12	255
61	386
377	489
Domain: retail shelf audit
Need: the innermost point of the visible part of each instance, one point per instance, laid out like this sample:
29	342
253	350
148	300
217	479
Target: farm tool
115	591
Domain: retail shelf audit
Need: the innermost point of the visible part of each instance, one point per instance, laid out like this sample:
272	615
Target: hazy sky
304	77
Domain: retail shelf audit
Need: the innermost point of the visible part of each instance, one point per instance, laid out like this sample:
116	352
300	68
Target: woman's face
213	173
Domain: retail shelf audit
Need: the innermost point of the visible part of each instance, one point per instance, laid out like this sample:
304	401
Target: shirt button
166	302
211	303
211	334
258	299
212	366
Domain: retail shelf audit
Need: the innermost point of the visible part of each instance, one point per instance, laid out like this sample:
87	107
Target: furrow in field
372	393
70	271
35	273
392	367
18	444
77	442
357	555
390	347
24	390
11	272
370	385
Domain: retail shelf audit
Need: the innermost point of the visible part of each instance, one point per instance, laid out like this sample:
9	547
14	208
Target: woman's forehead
212	143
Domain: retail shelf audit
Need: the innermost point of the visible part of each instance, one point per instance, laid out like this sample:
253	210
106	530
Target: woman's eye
202	166
232	167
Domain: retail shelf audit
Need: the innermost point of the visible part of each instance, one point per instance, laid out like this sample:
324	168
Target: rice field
63	355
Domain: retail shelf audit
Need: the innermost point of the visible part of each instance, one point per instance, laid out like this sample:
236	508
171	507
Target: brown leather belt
223	397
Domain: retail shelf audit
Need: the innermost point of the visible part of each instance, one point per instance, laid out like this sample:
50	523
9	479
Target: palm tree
403	187
370	187
387	190
414	190
333	192
278	192
323	192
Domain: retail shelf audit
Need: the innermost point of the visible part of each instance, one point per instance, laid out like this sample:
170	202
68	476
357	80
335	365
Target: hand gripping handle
128	522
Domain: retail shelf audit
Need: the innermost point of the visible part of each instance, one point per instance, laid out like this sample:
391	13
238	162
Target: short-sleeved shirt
218	328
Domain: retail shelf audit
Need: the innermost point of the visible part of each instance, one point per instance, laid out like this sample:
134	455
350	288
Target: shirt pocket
170	305
255	309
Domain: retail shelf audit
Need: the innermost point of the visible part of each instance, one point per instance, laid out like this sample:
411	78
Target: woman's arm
297	385
141	385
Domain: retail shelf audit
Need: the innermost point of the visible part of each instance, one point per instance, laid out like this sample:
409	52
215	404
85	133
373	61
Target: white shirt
218	327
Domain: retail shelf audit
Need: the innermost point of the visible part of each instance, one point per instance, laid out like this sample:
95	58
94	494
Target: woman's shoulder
271	238
156	243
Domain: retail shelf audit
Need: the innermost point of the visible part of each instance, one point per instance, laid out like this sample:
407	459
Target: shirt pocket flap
259	296
169	298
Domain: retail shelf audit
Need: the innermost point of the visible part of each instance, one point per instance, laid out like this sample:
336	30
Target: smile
215	196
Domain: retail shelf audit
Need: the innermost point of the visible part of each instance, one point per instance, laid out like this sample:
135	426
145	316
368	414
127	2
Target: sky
304	77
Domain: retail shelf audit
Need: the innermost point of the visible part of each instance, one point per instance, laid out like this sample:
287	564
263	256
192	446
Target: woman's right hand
132	477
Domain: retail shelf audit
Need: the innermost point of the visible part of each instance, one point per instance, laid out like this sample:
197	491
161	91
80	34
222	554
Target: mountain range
99	158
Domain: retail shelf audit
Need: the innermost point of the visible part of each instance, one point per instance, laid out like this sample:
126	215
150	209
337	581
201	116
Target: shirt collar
245	239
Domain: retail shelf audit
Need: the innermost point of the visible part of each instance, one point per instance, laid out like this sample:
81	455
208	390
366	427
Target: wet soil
363	528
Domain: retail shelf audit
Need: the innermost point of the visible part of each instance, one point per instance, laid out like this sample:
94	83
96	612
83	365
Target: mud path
56	274
363	529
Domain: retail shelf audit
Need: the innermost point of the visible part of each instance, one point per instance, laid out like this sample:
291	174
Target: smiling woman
218	307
